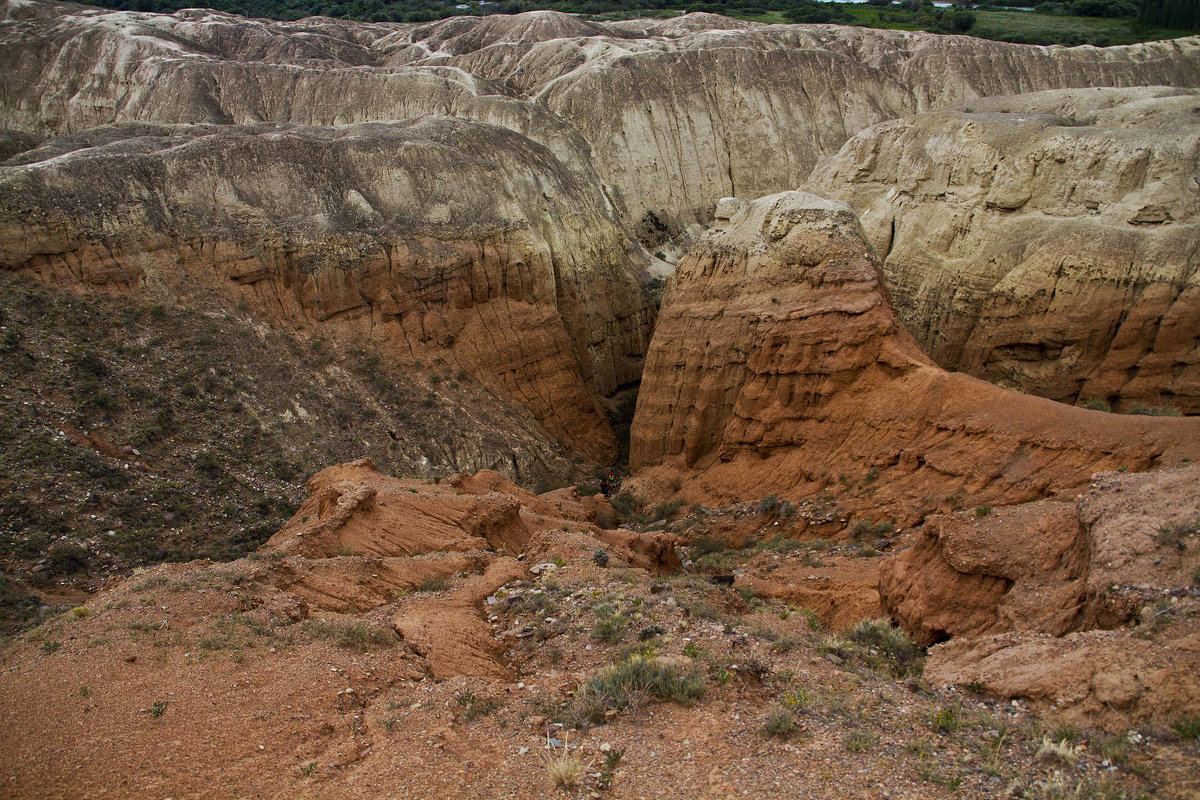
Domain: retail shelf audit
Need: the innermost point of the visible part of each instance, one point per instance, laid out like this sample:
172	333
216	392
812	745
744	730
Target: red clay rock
1019	568
1004	586
779	366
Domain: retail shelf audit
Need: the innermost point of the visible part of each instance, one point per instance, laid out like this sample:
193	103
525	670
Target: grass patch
362	637
473	707
1187	727
1144	410
433	585
901	655
779	724
630	683
860	741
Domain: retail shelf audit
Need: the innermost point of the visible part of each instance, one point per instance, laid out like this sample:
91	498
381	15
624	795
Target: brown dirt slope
460	672
137	431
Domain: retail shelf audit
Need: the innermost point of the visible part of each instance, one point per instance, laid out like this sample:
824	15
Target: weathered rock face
653	121
778	365
675	113
358	542
1035	597
1024	567
1051	566
437	239
1048	242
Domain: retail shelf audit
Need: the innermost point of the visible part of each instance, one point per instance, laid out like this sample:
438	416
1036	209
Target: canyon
897	334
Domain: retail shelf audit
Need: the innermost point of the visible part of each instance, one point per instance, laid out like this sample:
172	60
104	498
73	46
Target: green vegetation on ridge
1071	22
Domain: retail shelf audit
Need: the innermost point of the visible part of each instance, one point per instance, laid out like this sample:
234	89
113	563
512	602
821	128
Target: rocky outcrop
438	239
1048	242
632	129
1022	567
362	540
778	365
674	113
1038	599
1101	679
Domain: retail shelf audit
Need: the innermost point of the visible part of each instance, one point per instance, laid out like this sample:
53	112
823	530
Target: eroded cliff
435	239
778	365
1048	242
674	114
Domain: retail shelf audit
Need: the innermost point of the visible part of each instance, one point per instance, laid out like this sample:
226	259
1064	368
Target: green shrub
860	741
706	543
983	511
600	558
66	558
1187	727
628	683
769	504
1154	411
666	510
780	724
945	719
904	657
610	629
359	636
627	504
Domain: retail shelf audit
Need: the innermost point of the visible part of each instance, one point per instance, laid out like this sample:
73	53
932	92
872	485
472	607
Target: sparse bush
903	655
1187	727
473	706
66	558
610	629
780	724
945	719
628	683
983	511
49	646
810	618
1172	534
600	558
1096	404
627	504
360	636
860	741
157	708
1144	410
651	632
433	585
769	504
704	544
1068	732
666	510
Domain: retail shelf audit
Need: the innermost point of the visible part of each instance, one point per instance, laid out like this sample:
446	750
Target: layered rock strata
437	239
1048	242
778	365
675	113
